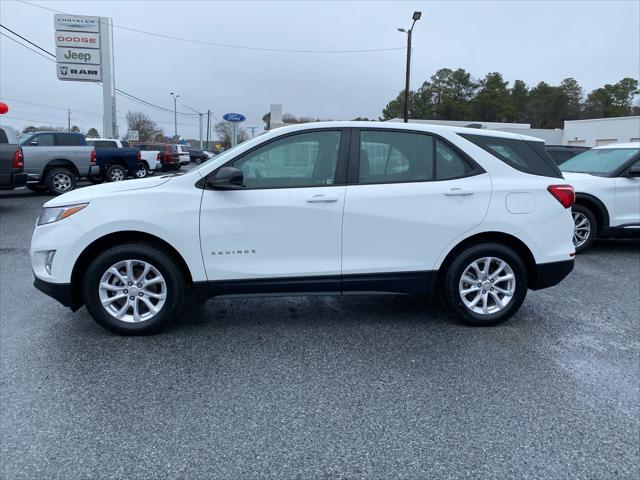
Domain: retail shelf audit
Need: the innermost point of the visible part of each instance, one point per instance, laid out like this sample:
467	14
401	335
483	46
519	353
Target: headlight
53	214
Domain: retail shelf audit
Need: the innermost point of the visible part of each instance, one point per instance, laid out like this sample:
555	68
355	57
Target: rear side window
3	137
526	156
102	143
449	164
67	140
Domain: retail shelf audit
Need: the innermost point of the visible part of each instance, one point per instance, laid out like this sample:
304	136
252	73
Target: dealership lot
319	387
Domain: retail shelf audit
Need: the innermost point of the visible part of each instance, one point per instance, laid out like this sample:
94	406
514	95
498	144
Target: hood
86	194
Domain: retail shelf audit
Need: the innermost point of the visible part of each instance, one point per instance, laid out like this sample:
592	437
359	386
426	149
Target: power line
228	45
121	92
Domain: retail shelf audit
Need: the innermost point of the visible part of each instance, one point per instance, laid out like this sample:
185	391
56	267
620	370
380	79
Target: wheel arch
118	238
597	207
60	162
492	237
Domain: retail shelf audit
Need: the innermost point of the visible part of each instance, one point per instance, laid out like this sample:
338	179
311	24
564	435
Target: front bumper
60	291
547	275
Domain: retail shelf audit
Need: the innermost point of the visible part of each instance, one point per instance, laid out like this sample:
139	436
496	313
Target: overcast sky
595	42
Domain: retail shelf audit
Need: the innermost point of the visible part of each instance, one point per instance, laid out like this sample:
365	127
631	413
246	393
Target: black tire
158	258
116	173
36	187
142	170
60	180
450	285
581	213
95	180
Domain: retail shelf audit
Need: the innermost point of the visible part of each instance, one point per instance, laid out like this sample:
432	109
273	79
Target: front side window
44	140
391	157
301	160
599	161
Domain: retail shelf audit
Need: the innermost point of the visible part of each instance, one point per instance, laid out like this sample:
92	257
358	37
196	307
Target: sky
596	42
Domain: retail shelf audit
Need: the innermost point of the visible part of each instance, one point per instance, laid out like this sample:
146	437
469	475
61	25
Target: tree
546	106
42	128
147	128
612	100
571	90
492	102
452	93
93	133
519	94
224	130
75	129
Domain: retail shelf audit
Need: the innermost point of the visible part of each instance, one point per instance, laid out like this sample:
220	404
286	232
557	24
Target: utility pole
175	116
200	122
68	120
416	17
208	128
253	131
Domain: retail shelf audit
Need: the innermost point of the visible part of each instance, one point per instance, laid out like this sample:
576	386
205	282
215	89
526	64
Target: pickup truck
54	161
117	161
11	161
169	157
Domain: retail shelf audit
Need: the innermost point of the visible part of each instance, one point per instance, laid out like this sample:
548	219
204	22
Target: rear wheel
60	180
485	284
134	289
585	227
142	170
116	173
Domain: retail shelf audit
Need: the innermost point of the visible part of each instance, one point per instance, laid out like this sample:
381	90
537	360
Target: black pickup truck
11	161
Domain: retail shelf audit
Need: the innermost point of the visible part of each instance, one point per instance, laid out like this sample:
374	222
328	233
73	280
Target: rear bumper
59	291
547	275
10	181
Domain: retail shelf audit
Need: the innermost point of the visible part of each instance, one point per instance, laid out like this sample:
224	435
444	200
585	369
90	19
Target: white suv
330	208
607	184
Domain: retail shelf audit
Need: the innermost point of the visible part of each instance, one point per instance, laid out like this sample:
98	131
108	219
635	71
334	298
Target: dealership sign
78	48
234	117
77	23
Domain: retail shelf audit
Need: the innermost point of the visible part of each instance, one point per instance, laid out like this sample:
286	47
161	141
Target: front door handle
458	192
322	199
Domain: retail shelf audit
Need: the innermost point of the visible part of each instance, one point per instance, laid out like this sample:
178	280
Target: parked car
183	153
11	160
54	161
152	160
198	156
115	161
169	156
562	153
331	207
607	184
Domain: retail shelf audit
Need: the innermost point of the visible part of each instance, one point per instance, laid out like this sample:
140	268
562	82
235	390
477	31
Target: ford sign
234	117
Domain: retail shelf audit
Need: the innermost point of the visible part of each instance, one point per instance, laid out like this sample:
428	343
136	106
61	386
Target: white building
600	131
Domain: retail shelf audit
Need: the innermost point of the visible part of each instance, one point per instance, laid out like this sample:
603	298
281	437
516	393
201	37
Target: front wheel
485	284
584	227
60	180
134	289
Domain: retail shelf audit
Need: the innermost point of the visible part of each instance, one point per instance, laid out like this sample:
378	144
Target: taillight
158	157
18	159
565	194
94	159
139	156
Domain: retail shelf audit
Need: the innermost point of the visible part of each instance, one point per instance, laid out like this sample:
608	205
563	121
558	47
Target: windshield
599	161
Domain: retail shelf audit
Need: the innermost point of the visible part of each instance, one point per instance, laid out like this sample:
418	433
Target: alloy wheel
132	291
141	172
487	285
62	182
117	175
581	229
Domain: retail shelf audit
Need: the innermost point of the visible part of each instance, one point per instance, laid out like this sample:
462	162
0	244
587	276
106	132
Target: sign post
234	119
84	52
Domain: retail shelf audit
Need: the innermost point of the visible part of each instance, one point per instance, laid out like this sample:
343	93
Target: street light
175	115
200	121
415	18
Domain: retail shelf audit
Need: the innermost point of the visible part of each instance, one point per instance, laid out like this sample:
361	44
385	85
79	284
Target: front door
285	223
627	209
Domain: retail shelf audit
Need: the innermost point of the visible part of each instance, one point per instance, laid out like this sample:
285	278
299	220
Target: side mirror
634	171
227	178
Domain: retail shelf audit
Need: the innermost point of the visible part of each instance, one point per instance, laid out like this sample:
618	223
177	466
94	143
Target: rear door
410	194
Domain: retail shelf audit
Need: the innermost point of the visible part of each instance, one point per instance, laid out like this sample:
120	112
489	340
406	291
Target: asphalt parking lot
319	387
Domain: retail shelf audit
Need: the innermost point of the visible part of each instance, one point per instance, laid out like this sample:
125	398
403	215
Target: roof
416	127
619	145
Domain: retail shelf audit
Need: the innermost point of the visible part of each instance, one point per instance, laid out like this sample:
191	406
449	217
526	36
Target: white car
607	184
183	154
325	208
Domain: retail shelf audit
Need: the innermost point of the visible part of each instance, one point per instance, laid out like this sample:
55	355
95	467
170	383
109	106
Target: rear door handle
322	199
458	192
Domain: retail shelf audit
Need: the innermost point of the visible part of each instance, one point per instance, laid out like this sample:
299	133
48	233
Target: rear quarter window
524	155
